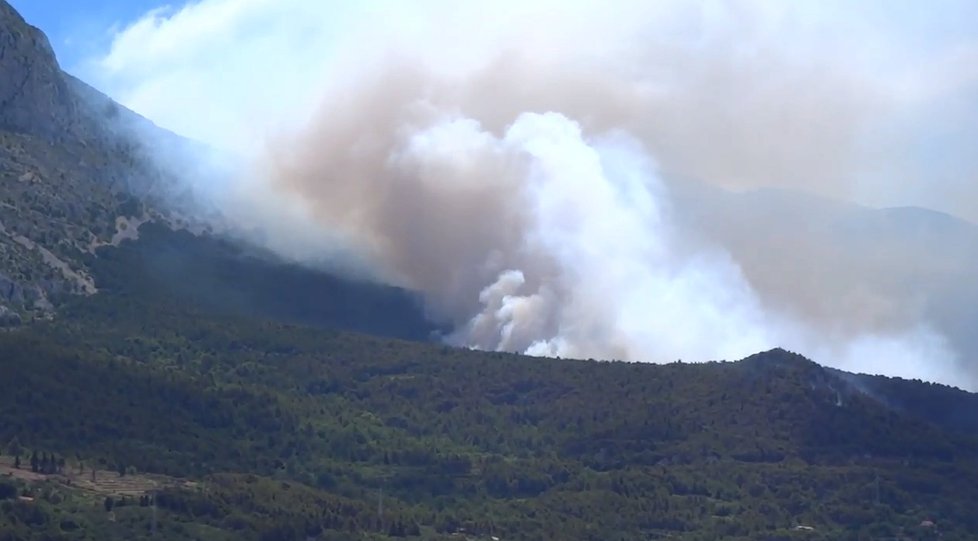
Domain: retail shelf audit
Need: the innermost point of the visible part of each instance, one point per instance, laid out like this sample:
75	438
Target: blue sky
80	29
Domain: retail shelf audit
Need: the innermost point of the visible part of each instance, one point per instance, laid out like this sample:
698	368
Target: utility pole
877	488
380	509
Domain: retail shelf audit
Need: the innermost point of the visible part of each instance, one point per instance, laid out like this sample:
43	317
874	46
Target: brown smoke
582	185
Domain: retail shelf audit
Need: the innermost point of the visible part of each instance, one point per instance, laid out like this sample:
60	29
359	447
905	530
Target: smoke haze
563	179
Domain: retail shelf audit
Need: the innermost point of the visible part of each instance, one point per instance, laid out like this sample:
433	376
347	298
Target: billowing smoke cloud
541	238
553	177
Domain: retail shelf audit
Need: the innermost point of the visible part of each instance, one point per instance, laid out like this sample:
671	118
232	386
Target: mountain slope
218	276
948	407
498	444
75	176
65	175
35	98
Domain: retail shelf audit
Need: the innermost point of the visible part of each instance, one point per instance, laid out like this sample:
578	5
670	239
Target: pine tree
397	529
14	448
35	463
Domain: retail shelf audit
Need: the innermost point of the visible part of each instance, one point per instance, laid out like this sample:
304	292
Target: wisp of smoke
521	171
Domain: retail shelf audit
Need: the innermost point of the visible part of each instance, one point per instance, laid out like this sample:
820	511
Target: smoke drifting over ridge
524	176
539	237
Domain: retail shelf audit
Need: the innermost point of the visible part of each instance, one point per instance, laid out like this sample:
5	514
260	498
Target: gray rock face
34	97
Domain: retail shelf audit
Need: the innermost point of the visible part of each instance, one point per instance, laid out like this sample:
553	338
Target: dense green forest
275	430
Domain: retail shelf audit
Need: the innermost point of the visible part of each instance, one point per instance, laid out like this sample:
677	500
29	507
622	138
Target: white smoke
596	271
548	241
519	163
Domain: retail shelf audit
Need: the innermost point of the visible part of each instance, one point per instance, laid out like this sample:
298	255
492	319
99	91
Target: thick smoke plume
538	236
555	179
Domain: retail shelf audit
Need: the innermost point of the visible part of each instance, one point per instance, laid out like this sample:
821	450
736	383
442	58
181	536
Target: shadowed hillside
217	276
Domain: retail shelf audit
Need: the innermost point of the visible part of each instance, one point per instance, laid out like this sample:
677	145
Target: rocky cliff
35	97
67	170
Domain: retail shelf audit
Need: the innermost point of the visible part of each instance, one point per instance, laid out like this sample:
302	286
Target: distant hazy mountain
845	265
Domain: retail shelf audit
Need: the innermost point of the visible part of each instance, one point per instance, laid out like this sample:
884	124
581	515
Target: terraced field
103	482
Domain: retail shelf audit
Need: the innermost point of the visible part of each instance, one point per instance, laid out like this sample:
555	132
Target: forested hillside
219	276
289	432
